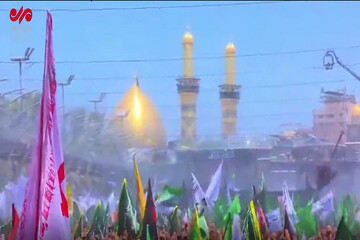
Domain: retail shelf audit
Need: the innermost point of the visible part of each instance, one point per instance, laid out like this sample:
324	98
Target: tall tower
229	94
188	89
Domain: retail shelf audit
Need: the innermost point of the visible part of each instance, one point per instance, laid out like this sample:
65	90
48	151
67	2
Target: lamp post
99	100
20	60
122	115
329	61
62	85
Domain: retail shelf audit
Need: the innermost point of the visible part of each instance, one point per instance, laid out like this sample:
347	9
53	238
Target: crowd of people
326	233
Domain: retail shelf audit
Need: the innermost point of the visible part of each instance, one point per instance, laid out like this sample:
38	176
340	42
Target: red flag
15	223
45	212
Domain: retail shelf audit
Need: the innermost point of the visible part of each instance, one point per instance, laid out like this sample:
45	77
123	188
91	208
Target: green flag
174	223
262	194
195	233
126	212
100	221
168	193
105	218
343	232
89	214
78	228
249	227
6	228
220	210
94	227
75	215
147	232
228	226
307	222
235	208
204	229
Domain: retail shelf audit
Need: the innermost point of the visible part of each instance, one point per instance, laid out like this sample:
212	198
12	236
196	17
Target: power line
201	75
261	54
154	7
216	89
294	84
241	102
109	119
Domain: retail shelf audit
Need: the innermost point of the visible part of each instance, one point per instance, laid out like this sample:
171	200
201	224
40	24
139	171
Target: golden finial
230	48
188	38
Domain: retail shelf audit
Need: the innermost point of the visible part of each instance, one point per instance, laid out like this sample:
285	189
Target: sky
277	89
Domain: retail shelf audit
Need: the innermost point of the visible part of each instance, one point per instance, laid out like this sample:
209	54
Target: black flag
149	216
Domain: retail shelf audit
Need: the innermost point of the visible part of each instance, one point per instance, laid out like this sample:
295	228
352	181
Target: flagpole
40	158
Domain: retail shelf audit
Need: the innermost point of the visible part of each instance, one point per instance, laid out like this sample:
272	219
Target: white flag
199	197
213	190
326	203
112	202
289	208
288	204
357	217
237	233
274	221
4	208
185	218
303	236
45	214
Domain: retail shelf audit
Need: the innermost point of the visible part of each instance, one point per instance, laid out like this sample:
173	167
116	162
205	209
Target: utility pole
21	60
329	62
62	85
122	115
99	100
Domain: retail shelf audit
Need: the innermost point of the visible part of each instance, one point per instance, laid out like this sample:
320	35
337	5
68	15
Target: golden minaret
188	89
229	94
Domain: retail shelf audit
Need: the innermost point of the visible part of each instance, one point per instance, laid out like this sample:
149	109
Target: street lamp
330	59
122	115
3	79
62	85
20	60
101	98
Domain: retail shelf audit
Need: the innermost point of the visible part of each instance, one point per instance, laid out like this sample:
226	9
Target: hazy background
277	88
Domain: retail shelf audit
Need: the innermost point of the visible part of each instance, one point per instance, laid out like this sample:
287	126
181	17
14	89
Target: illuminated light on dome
142	125
355	112
137	106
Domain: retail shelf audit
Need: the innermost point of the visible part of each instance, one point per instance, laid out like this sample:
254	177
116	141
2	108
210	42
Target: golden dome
230	48
188	38
142	125
355	112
